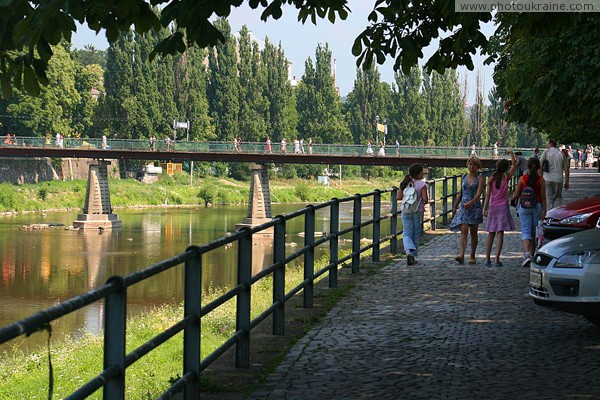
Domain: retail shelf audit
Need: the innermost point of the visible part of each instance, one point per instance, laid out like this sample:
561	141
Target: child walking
496	208
467	213
530	214
412	223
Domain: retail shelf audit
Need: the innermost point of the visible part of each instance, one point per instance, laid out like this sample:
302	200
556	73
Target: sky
300	42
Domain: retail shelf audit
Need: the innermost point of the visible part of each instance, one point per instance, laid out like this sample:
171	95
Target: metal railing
251	147
114	292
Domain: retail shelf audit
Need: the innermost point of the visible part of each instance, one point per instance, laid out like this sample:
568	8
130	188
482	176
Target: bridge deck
252	152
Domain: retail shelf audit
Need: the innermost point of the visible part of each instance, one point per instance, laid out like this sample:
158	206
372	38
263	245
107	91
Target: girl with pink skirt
496	208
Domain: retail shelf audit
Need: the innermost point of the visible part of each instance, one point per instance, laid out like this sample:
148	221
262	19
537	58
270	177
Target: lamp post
384	130
376	130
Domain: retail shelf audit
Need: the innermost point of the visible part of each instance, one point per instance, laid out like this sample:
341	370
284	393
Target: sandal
498	264
460	260
472	261
487	264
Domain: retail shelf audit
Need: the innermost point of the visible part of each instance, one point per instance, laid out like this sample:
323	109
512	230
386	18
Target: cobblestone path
442	330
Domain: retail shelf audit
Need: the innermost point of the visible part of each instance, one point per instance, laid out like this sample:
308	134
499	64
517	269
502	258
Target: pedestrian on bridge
397	148
310	144
269	150
369	148
496	208
467	213
381	151
283	146
412	223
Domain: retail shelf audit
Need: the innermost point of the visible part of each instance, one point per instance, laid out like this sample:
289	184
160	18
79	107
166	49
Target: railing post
445	201
334	228
279	277
433	206
309	256
191	335
356	220
394	222
114	338
244	272
454	189
376	224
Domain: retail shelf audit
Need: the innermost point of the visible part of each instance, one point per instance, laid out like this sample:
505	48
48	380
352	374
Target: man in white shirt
556	163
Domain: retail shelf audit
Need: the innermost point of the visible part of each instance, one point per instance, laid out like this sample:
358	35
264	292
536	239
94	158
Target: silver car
565	274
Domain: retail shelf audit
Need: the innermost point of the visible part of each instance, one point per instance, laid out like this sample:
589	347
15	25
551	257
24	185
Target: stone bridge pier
259	203
97	212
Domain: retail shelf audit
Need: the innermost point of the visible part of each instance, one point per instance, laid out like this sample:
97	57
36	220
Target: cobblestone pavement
442	330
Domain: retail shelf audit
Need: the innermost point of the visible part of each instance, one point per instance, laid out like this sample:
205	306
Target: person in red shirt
533	212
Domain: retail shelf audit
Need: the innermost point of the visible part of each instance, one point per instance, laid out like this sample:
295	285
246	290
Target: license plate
535	279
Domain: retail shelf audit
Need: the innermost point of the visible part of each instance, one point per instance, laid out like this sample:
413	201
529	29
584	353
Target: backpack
409	204
546	166
527	199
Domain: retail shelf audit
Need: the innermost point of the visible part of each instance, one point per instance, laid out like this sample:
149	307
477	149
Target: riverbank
172	191
77	359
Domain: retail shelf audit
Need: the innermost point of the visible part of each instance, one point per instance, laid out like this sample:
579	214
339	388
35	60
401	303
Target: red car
572	217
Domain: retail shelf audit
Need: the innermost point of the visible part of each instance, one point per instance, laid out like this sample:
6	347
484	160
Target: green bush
208	193
7	197
302	190
42	193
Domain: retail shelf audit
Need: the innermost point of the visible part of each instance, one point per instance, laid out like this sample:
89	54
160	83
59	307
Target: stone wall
26	170
77	168
34	170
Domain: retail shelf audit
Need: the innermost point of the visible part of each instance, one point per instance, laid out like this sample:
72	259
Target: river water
40	268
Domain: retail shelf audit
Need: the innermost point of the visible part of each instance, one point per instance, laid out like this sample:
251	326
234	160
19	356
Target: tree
118	83
410	118
52	111
90	55
363	104
477	132
282	113
527	46
318	104
445	113
224	85
190	93
253	80
28	29
551	81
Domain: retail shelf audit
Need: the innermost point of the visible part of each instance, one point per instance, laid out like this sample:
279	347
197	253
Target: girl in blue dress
467	213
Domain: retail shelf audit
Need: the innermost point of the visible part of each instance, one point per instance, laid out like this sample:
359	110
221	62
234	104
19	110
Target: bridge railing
116	290
252	147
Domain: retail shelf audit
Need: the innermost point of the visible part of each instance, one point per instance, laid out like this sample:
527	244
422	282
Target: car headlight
576	259
575	219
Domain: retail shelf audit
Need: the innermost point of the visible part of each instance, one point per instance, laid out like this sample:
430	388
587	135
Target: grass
77	360
59	195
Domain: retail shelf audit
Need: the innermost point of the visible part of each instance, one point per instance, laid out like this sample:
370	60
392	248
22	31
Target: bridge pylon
97	212
259	203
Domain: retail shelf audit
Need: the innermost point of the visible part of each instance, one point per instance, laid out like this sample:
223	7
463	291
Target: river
40	268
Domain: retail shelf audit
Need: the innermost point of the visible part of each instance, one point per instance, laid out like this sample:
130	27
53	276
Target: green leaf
356	47
31	83
6	86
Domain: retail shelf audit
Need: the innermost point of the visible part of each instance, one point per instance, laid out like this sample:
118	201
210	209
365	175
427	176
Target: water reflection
41	268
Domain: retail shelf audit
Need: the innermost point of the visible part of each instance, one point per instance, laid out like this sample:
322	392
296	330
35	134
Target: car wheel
594	319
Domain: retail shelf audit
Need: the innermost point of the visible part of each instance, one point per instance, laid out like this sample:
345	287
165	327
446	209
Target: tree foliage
318	104
547	63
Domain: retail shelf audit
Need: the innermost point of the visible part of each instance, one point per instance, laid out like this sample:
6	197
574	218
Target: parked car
565	274
576	216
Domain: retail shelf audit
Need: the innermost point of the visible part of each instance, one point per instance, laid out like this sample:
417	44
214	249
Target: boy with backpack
531	194
413	195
